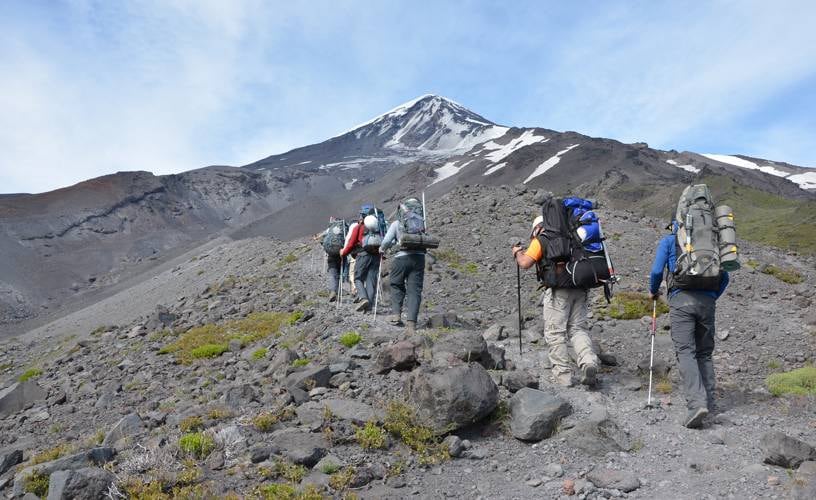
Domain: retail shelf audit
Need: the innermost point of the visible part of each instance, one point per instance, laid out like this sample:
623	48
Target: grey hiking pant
407	276
334	263
565	317
366	271
692	331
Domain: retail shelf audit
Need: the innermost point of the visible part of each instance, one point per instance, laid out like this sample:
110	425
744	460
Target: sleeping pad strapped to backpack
571	244
413	233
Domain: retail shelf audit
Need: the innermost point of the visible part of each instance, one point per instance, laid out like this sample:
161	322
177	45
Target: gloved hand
656	295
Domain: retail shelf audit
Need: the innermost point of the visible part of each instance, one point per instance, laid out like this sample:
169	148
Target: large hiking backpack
413	235
703	247
372	239
573	255
334	238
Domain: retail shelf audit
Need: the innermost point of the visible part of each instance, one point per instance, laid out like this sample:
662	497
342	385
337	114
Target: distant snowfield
689	168
448	170
805	181
502	151
550	163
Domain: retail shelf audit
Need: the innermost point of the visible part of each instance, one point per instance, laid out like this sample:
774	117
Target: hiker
565	314
333	240
408	267
367	256
352	263
692	307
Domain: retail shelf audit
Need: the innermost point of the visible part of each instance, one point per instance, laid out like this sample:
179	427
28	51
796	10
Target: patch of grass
260	353
632	305
197	444
264	422
290	472
37	483
371	436
501	415
350	339
191	424
289	258
6	366
209	351
50	454
471	268
255	327
280	491
401	421
329	468
31	373
341	480
99	330
219	414
801	381
664	385
301	362
774	364
784	274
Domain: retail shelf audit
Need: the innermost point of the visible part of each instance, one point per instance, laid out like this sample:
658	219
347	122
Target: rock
785	451
367	473
613	479
517	379
82	484
260	453
300	447
94	456
353	411
9	458
534	482
309	378
804	481
330	461
494	333
723	333
459	346
282	359
128	427
239	396
597	436
455	445
607	359
534	414
568	487
20	396
311	415
553	470
773	480
446	320
660	368
399	356
493	358
450	398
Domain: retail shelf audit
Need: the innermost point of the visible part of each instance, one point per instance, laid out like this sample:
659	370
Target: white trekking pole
379	273
424	212
651	356
340	278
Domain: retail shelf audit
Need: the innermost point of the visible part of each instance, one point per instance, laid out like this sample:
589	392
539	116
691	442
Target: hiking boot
589	375
395	320
564	379
694	419
356	298
363	306
410	327
332	297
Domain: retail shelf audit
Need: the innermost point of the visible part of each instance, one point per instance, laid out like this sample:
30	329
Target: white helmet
371	223
538	220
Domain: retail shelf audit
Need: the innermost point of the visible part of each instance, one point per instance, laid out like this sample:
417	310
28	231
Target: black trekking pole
518	294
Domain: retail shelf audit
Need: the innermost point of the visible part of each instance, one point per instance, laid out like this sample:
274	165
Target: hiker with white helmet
333	240
363	242
554	249
408	267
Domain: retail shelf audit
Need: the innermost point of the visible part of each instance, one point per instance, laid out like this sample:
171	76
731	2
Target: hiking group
568	249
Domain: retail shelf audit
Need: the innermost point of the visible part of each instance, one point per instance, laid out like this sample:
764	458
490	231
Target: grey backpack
697	241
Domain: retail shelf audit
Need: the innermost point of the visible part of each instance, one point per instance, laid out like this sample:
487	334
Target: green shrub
784	274
265	421
50	454
196	444
371	437
300	362
350	339
209	351
260	353
191	424
401	421
29	374
633	305
290	472
801	381
289	258
329	468
37	483
279	491
471	268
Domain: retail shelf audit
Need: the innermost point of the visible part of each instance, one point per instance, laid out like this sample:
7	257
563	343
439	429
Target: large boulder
20	396
82	484
309	378
398	356
613	479
785	451
9	458
598	435
352	411
449	398
82	460
460	346
126	428
534	414
303	448
804	481
517	379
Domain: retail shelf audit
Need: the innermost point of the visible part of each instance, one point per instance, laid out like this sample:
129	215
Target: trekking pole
379	273
613	278
651	356
518	294
342	269
424	211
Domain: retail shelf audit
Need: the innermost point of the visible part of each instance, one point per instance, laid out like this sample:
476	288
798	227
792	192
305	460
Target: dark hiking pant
334	263
407	276
366	271
692	331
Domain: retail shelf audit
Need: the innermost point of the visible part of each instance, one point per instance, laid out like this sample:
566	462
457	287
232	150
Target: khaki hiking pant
352	263
565	316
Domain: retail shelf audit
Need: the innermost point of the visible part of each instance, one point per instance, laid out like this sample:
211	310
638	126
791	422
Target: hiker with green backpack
408	234
333	240
695	258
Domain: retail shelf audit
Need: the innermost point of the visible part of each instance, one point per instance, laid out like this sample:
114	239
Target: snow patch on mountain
396	112
494	168
550	163
741	162
502	151
805	181
689	168
448	170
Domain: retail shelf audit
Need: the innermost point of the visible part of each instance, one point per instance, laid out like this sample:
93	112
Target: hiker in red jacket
367	265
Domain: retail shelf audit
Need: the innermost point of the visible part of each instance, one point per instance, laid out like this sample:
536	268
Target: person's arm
390	237
527	259
660	261
351	239
723	283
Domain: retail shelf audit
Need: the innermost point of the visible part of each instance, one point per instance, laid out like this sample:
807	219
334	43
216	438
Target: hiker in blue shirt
692	329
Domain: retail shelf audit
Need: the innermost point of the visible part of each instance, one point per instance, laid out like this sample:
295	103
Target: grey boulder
82	484
535	414
302	448
785	451
613	479
20	396
398	356
597	436
127	427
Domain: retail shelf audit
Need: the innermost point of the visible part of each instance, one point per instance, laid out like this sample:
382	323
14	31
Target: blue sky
90	88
